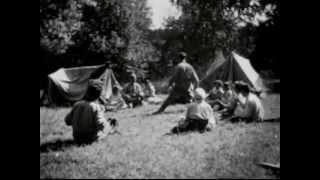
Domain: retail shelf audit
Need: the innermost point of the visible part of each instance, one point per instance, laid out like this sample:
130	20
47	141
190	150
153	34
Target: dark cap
133	76
94	90
218	83
242	87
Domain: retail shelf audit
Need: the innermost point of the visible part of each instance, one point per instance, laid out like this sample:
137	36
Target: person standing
182	84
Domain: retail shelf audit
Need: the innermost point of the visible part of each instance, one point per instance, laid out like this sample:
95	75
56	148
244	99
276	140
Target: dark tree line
116	32
229	25
91	32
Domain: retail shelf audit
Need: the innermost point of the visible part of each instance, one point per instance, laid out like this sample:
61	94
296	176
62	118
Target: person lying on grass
87	117
249	107
199	116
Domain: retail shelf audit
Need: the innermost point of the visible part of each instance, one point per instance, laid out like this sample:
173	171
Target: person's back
199	115
184	77
182	84
256	111
200	111
88	122
87	118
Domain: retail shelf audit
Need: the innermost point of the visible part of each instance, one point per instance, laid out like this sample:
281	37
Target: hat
218	83
243	87
133	76
94	90
200	93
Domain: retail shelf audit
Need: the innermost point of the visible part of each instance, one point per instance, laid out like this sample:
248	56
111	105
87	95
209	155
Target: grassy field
143	151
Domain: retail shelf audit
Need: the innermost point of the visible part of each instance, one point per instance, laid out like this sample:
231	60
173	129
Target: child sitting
199	116
115	102
227	100
215	95
150	94
87	117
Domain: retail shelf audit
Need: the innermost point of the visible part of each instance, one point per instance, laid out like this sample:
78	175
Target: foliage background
116	32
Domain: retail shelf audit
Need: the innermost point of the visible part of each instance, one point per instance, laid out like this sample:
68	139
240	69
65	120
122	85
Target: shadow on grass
163	113
180	130
57	145
238	120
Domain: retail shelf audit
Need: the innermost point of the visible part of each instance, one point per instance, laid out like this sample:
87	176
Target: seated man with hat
249	106
133	93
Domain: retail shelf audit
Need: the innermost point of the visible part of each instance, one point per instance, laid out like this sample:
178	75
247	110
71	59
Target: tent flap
233	68
71	84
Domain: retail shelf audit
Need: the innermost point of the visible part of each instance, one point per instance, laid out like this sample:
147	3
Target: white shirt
201	111
252	108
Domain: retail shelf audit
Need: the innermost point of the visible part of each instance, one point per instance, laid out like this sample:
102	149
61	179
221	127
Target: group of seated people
225	101
131	96
234	101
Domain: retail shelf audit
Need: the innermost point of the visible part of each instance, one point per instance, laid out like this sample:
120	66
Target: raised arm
195	78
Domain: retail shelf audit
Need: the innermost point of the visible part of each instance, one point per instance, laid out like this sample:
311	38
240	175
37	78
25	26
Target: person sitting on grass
199	115
227	101
116	101
249	107
87	117
215	95
132	93
150	93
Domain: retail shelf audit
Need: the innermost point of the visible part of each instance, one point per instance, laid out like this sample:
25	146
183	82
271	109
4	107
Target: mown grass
143	151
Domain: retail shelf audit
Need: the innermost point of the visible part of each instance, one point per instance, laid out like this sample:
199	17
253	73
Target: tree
266	55
89	32
207	25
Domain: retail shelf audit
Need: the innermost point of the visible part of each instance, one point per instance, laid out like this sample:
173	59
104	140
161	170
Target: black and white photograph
166	89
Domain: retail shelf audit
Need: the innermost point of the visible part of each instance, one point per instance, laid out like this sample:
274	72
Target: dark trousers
134	100
182	97
191	125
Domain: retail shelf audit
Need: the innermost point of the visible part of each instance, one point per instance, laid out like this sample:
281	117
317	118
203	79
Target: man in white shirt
249	106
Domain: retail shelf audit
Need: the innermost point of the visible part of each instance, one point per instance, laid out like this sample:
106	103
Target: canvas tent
70	84
232	67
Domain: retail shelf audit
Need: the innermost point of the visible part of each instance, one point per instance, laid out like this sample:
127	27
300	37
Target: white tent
232	67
